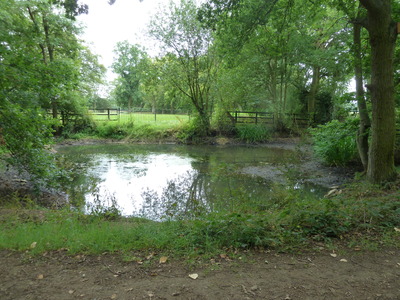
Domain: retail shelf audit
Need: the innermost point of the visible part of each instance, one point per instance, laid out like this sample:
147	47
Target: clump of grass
253	133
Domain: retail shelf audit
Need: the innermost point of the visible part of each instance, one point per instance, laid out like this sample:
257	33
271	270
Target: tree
41	64
281	51
355	13
130	65
192	63
382	36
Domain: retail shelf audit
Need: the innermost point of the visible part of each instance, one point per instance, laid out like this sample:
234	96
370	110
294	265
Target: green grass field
144	118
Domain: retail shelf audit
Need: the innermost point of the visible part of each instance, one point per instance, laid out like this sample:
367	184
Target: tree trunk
365	122
272	81
382	36
311	99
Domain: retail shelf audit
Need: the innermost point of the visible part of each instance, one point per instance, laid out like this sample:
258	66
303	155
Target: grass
135	126
160	120
362	215
149	128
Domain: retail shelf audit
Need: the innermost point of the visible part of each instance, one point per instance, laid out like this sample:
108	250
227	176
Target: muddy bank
17	187
309	170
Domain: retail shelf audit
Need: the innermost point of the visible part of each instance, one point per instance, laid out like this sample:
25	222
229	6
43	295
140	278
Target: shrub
223	123
113	130
195	131
78	126
27	136
335	142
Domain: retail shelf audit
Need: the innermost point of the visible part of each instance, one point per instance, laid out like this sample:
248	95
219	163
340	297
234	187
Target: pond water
171	181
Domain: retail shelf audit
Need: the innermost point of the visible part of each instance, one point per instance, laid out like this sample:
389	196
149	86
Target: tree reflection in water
185	197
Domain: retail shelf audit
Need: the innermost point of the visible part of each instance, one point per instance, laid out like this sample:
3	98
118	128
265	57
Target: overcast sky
108	24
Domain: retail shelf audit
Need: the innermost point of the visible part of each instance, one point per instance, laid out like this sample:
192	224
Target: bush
223	123
195	131
27	136
335	142
113	130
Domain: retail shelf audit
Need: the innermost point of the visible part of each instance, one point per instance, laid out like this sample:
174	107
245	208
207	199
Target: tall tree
188	44
30	81
130	64
281	48
382	36
55	37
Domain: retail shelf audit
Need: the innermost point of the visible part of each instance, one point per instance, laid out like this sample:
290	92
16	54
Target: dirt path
354	275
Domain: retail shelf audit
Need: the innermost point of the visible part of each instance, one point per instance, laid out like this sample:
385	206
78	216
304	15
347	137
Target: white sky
124	20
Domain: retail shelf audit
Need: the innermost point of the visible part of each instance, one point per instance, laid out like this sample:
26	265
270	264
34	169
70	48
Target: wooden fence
300	120
111	114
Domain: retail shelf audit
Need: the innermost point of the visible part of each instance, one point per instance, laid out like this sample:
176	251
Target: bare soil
349	275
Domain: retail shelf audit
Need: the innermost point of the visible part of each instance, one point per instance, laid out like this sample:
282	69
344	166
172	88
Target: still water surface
158	181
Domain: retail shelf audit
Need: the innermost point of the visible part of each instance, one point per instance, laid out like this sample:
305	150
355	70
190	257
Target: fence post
108	114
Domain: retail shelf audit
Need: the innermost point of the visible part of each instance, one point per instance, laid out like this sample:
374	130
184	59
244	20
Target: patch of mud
308	170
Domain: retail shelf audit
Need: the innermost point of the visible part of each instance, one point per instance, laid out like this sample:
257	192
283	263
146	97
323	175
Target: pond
173	181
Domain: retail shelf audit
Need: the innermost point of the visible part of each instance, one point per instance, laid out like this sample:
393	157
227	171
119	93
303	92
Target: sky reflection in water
174	180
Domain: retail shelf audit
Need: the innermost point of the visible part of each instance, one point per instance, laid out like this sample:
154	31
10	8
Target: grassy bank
361	216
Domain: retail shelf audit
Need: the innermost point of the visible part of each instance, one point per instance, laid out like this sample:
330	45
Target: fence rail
112	114
301	120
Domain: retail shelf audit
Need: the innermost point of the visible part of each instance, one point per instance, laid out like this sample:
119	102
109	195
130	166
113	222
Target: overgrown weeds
253	133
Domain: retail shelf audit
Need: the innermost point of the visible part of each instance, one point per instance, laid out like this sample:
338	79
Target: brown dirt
364	275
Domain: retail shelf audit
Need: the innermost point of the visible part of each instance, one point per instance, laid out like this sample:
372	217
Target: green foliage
17	200
43	67
130	64
134	130
335	142
253	133
113	130
325	219
223	123
190	64
27	134
195	131
235	230
106	209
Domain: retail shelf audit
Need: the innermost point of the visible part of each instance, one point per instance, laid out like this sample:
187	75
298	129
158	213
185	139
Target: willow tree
188	44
